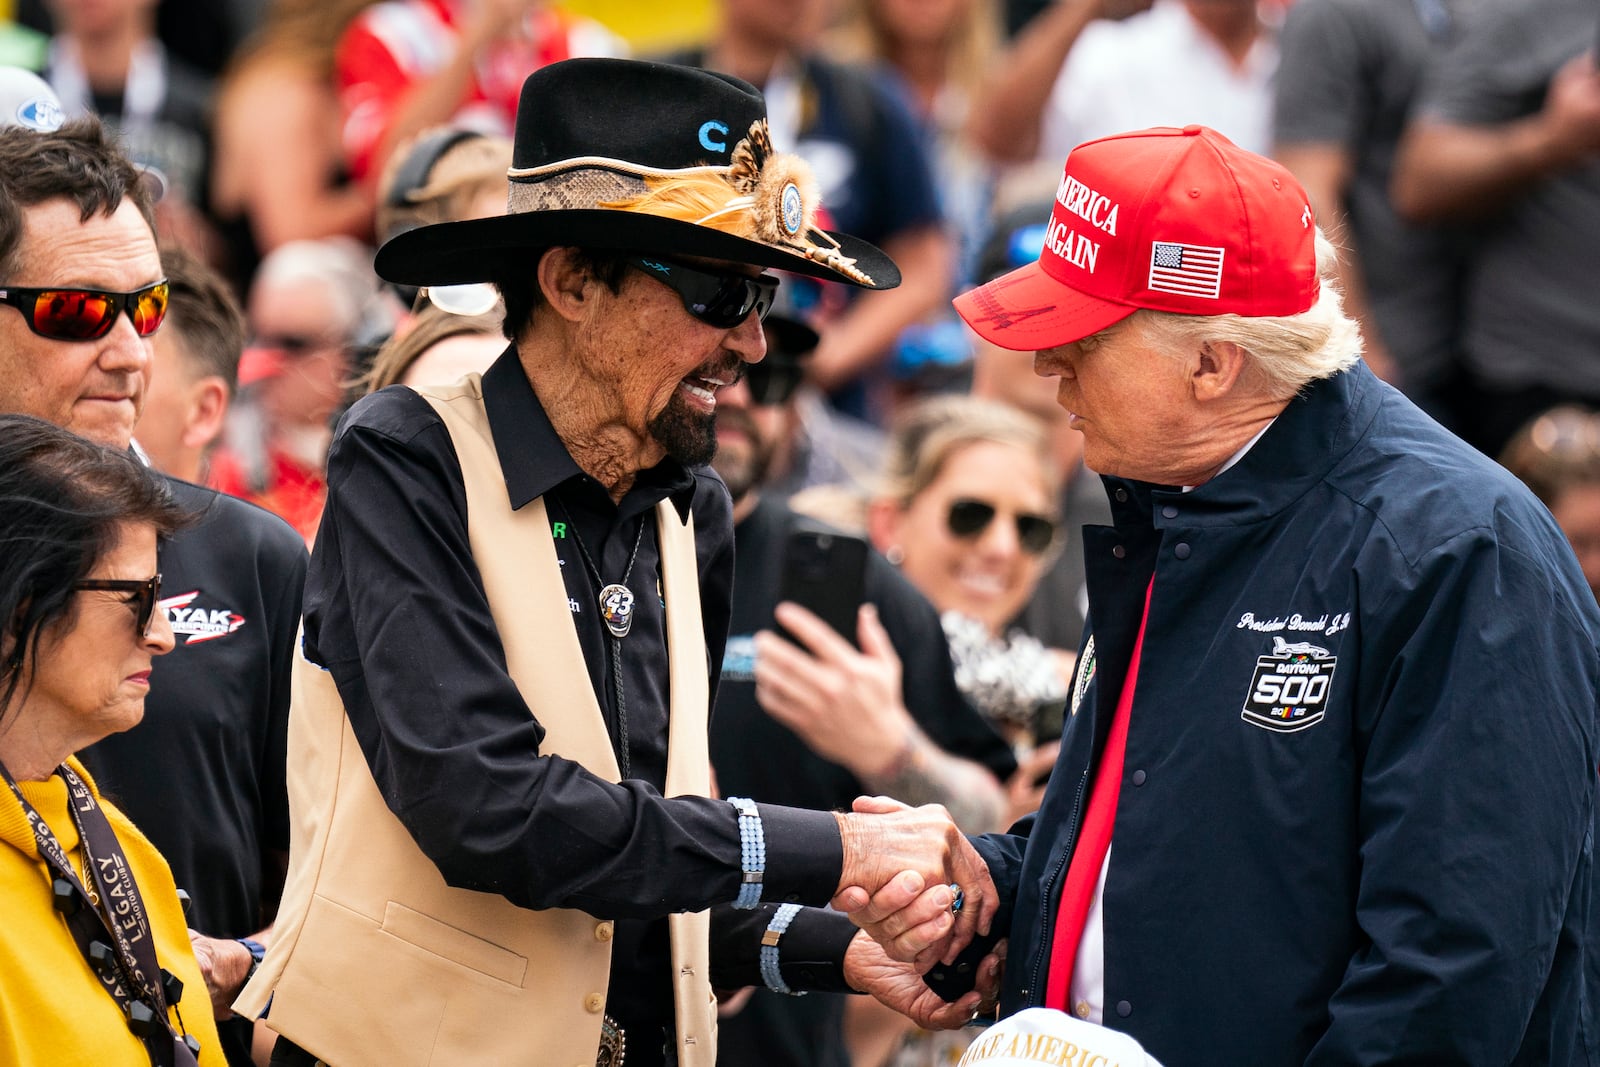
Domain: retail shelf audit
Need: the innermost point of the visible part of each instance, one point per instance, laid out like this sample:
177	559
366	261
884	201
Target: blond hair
465	171
929	433
431	325
1287	352
972	45
302	33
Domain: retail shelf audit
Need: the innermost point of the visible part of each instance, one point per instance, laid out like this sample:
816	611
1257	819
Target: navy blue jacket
1358	806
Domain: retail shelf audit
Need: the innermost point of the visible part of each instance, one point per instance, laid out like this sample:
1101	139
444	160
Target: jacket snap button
1119	551
1124	1009
1122	496
1138	777
1181	550
603	932
594	1003
1169	512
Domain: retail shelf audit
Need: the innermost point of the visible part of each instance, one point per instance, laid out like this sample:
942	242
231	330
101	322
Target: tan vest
375	959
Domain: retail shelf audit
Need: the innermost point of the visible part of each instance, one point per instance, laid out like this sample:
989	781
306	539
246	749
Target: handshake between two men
920	893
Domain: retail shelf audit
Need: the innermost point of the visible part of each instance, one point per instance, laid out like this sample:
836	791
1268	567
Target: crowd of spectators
1450	145
1451	148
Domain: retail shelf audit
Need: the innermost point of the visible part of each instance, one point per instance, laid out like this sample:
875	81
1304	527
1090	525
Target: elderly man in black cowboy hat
518	601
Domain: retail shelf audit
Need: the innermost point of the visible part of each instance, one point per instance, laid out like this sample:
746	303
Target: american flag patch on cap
1186	270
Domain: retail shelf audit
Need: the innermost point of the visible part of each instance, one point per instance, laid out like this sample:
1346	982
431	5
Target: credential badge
1290	689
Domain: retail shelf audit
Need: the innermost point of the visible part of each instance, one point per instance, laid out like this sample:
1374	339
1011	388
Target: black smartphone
1049	721
825	571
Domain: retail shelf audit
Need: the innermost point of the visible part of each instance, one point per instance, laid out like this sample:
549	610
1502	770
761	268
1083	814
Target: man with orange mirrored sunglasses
68	314
85	290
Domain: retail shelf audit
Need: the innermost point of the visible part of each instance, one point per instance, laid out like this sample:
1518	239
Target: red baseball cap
1166	219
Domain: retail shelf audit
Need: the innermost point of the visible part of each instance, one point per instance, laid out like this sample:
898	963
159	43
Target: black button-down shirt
396	611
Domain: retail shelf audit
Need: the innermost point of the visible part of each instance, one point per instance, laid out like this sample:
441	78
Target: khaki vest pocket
457	946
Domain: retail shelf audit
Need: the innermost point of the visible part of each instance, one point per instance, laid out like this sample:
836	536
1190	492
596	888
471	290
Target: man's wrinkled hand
885	840
917	922
224	964
898	985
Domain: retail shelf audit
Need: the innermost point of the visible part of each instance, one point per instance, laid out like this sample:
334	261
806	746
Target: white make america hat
1039	1036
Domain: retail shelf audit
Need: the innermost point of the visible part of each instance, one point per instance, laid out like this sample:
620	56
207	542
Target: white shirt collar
1237	456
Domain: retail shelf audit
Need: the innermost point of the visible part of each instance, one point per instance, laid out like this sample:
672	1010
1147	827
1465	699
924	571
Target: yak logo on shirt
197	624
1290	689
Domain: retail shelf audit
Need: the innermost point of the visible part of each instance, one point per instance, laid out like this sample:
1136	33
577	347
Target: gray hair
1287	352
342	267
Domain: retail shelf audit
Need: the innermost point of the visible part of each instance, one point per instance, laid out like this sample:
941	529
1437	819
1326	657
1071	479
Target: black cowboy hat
646	157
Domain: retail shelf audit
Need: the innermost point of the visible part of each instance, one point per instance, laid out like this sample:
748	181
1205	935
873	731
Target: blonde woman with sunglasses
967	509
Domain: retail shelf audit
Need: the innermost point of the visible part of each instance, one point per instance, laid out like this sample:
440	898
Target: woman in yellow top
95	963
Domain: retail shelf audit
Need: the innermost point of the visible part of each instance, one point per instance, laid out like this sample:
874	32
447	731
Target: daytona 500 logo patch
1290	689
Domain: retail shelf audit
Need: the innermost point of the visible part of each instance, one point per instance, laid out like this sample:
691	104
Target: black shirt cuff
811	953
805	855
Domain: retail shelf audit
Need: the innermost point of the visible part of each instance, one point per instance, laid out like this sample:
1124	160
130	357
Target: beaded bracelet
769	949
752	853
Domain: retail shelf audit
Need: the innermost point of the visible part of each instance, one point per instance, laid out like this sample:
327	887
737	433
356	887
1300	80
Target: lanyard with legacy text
127	967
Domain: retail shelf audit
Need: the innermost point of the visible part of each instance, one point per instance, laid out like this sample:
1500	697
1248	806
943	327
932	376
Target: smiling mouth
981	584
703	388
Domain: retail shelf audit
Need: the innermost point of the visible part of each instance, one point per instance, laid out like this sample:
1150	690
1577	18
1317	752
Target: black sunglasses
720	300
773	380
68	314
146	594
969	518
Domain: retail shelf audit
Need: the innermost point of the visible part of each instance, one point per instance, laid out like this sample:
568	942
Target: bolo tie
615	602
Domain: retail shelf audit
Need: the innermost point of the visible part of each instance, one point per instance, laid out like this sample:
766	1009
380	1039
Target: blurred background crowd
1450	147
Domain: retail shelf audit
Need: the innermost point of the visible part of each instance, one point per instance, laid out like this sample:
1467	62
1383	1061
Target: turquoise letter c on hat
707	129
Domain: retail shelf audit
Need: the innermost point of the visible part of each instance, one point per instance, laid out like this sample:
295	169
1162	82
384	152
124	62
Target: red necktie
1094	838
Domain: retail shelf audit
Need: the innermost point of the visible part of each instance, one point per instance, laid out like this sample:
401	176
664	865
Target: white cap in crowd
27	100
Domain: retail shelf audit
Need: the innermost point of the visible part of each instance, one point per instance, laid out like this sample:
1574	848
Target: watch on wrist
258	952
